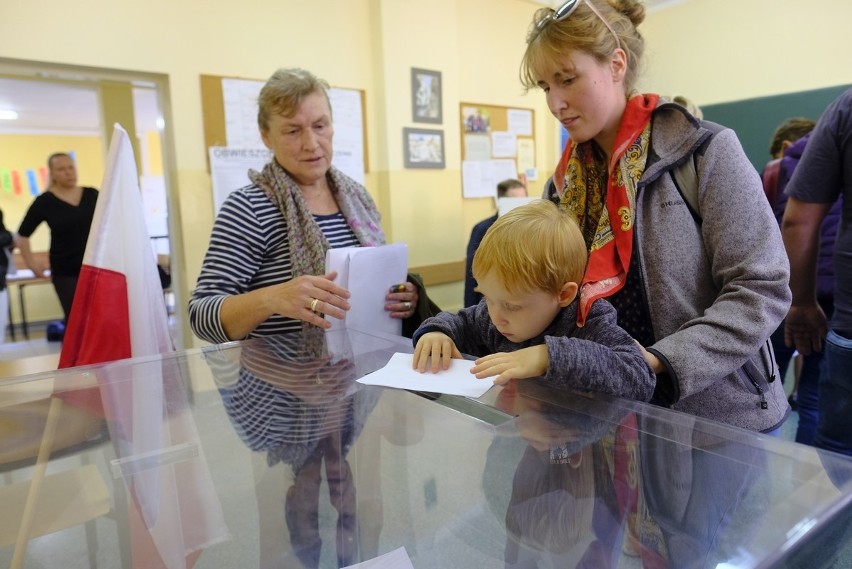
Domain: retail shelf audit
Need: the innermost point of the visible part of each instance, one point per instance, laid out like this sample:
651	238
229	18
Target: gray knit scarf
308	245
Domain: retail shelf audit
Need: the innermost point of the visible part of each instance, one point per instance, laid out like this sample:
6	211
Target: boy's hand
439	346
529	362
653	361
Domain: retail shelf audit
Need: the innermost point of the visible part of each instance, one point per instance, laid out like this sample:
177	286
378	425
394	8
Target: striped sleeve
248	250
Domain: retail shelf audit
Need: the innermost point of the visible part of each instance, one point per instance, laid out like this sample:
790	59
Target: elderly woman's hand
401	301
309	298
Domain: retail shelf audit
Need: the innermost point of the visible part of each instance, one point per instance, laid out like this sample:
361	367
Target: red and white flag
119	312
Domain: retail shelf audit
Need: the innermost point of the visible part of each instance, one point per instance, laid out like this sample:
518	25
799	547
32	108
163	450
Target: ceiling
68	108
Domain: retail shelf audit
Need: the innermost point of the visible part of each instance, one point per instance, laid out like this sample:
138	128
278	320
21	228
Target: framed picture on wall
426	96
424	148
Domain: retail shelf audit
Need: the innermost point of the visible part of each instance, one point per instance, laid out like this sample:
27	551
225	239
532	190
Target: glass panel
268	453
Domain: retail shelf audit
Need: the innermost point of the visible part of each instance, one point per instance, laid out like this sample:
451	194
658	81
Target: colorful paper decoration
31	179
6	180
16	182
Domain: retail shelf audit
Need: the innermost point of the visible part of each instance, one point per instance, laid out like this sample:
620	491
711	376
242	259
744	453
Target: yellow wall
714	51
364	44
30	152
709	50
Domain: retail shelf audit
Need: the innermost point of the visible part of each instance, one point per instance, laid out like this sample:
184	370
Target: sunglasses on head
564	11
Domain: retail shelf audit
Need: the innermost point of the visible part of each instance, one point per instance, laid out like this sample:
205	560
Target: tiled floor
36	345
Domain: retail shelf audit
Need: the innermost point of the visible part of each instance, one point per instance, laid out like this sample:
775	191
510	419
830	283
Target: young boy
528	268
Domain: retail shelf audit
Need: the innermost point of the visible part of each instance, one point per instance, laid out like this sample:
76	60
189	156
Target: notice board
232	139
497	143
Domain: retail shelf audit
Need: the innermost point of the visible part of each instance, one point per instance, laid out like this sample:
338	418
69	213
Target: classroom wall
363	44
709	50
714	51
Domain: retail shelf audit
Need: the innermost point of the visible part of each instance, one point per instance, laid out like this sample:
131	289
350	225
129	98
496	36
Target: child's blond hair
534	246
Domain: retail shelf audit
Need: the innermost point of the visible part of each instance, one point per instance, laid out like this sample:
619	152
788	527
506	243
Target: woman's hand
308	298
437	345
528	362
402	299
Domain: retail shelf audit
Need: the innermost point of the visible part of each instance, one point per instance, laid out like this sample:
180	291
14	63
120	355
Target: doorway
72	109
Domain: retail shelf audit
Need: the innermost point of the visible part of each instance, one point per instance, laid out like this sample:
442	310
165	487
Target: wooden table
21	279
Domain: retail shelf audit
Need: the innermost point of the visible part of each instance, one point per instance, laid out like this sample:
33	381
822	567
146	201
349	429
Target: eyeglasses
564	11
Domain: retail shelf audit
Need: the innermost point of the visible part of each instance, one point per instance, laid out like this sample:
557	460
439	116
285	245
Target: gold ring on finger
314	303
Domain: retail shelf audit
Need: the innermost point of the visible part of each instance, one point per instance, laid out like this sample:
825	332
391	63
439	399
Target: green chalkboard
755	120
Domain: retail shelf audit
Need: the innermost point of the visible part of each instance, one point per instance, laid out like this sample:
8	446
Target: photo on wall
426	96
423	148
476	120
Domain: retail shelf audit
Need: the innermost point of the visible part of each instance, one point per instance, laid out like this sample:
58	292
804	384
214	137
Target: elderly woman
264	272
701	290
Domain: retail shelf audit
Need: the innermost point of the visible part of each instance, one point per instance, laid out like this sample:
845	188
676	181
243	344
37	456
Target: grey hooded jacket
716	286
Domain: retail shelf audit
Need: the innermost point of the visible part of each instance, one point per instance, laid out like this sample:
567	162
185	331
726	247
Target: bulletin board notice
497	143
233	142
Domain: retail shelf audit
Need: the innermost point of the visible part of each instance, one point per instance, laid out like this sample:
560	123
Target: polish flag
119	312
118	265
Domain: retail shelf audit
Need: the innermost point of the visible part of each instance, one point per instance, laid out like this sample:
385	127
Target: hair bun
634	10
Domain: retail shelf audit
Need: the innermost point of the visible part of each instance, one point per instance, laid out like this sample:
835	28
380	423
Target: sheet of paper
477	147
526	154
457	380
396	559
520	121
229	168
368	273
508	204
480	179
473	182
348	142
239	98
504	144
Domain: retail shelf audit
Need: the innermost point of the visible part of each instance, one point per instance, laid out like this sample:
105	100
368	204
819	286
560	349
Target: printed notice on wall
239	97
520	122
229	169
480	178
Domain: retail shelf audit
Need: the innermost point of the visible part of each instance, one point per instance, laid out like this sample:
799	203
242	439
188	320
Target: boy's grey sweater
599	357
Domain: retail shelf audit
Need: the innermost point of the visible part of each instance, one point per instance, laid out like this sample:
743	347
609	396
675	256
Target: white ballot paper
396	559
457	380
368	273
505	205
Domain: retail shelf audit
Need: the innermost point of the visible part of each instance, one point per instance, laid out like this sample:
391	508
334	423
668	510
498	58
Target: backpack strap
685	175
685	178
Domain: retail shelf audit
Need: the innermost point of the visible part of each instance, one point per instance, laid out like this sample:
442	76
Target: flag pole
31	504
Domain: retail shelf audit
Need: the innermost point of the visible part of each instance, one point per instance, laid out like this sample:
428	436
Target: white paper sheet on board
457	380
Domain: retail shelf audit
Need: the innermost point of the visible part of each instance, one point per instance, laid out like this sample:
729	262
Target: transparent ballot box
268	453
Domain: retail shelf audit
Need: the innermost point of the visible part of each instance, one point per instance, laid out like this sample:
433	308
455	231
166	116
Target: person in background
264	271
824	175
804	395
788	132
6	242
702	293
526	324
68	210
510	188
784	136
693	109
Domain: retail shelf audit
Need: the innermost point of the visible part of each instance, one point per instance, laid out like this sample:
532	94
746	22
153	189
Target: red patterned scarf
599	194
